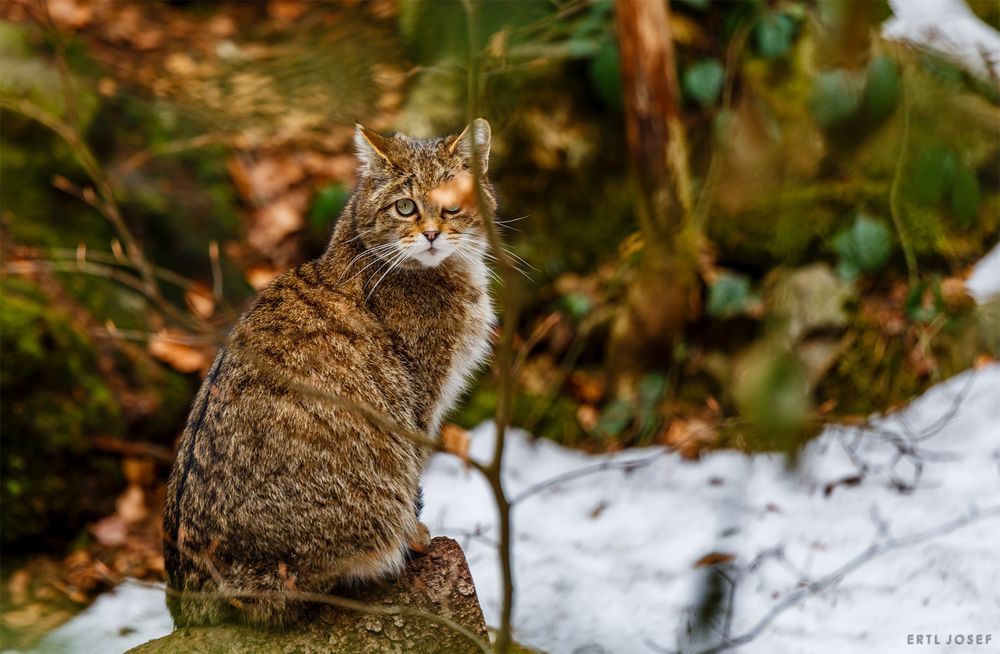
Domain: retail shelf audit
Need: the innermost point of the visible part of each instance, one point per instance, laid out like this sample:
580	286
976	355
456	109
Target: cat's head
416	201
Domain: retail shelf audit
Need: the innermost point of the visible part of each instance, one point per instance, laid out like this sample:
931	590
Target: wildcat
275	488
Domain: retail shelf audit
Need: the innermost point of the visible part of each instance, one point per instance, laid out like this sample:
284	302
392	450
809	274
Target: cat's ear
474	138
371	149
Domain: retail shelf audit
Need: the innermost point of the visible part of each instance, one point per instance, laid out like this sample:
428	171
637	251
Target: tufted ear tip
475	138
370	147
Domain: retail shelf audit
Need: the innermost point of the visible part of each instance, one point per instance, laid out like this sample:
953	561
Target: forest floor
873	534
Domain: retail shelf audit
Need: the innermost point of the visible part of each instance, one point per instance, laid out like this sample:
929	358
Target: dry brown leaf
110	532
586	387
455	440
131	505
179	356
18	586
587	416
984	360
71	14
956	294
260	276
714	558
200	301
690	437
271	225
285	11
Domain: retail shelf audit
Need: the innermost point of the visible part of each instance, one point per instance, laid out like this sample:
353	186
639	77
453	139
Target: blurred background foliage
161	161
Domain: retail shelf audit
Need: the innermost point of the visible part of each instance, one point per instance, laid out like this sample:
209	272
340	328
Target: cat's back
311	326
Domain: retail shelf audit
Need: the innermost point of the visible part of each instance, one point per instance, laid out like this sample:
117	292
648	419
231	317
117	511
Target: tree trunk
663	293
438	582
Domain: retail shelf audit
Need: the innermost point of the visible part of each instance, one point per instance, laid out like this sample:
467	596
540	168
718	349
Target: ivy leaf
773	35
882	87
933	173
837	95
651	389
862	247
729	295
615	419
702	81
965	196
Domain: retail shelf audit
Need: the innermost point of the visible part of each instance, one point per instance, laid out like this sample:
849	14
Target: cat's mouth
432	255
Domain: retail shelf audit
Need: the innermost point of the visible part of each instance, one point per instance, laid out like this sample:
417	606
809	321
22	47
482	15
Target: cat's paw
420	542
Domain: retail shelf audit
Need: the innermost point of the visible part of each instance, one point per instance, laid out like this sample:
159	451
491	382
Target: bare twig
128	448
627	466
105	200
493	471
894	193
882	545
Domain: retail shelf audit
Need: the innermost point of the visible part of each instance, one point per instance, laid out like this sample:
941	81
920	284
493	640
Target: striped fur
276	487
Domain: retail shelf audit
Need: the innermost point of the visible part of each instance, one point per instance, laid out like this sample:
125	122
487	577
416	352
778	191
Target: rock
438	582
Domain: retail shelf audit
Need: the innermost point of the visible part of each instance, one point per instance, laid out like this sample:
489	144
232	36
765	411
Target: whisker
399	259
375	251
467	256
491	257
519	258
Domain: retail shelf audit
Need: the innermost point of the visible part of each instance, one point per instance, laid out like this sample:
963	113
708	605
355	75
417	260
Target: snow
984	282
948	26
604	562
131	614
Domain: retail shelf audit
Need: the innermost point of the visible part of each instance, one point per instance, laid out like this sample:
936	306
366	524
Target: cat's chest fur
440	321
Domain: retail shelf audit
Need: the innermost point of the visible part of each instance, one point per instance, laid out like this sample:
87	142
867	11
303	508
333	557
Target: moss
59	388
52	401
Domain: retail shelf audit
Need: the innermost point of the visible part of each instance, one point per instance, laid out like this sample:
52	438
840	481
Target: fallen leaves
690	436
170	347
713	559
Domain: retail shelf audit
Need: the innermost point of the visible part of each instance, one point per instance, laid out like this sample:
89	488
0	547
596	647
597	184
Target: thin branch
106	201
505	351
133	449
872	552
896	189
611	464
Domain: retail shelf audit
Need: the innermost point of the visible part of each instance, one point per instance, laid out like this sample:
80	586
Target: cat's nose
431	235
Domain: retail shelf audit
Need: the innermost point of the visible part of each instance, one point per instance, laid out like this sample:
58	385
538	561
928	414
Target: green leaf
651	389
696	4
965	196
933	174
615	419
914	306
773	35
837	95
729	295
882	87
702	82
605	74
863	247
577	304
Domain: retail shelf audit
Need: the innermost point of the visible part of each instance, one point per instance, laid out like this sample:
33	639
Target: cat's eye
454	209
406	207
